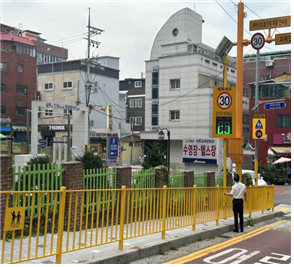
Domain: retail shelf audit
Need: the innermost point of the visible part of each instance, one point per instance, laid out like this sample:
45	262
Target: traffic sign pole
256	111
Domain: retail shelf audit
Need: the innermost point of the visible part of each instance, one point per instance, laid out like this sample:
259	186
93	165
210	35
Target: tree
90	161
154	156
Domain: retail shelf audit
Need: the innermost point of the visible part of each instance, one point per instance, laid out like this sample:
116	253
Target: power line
57	18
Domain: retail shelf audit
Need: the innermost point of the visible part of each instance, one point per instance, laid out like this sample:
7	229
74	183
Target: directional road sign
258	126
224	112
270	23
283	38
279	105
257	41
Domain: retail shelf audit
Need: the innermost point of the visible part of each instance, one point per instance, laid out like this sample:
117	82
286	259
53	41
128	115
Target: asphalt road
282	195
268	244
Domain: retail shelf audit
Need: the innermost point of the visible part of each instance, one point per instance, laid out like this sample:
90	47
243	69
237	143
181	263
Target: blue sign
113	148
42	145
278	105
259	125
42	141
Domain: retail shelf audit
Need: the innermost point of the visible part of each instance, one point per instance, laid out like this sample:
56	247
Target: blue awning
4	129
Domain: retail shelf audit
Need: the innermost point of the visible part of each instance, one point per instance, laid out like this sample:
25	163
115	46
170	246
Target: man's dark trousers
238	209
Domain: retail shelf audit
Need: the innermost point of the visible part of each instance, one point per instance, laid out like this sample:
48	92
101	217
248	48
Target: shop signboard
200	150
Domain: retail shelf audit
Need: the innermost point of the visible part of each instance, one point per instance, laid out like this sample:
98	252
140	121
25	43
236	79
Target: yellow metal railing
111	215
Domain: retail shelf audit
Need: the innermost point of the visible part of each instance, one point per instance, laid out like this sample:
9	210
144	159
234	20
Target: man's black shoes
241	231
236	230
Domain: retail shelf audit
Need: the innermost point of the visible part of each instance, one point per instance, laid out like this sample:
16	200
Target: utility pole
92	31
68	136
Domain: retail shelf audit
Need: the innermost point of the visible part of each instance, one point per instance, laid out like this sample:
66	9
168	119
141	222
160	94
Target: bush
248	179
39	160
267	172
154	157
90	161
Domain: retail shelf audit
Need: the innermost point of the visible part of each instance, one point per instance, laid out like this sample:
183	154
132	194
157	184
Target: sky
130	27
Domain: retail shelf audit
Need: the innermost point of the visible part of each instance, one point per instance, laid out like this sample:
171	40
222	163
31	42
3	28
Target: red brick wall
5	185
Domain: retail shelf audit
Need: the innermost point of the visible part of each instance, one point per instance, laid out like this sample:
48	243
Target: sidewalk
140	247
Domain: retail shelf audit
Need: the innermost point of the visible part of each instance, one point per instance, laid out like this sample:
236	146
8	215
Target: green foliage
39	160
90	161
248	179
267	172
173	247
154	156
161	252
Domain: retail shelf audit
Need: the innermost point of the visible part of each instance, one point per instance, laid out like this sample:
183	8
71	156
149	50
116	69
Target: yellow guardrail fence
80	219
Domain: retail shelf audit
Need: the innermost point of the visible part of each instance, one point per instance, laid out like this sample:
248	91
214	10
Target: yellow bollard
60	224
122	218
217	205
194	208
163	212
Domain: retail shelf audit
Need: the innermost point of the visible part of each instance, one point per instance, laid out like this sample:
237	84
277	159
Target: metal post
256	111
225	140
60	225
122	217
239	87
68	137
163	212
132	126
28	131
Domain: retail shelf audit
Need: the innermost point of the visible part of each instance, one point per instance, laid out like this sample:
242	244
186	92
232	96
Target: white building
64	83
180	76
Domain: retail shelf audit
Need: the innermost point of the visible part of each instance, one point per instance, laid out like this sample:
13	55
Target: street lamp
161	137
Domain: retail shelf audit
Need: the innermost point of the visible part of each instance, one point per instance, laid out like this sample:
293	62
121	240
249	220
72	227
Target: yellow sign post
283	38
270	23
14	218
224	112
258	126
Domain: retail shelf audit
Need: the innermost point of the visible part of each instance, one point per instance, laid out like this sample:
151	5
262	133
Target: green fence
35	178
4	145
143	179
219	180
176	179
100	179
200	179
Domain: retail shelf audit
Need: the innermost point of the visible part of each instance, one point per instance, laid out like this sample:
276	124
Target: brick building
18	81
274	83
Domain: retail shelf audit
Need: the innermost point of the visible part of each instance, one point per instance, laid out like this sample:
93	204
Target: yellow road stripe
217	247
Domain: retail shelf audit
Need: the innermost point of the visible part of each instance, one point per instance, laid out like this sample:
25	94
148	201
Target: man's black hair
237	177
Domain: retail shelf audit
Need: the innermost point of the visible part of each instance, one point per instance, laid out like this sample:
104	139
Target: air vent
154	128
269	63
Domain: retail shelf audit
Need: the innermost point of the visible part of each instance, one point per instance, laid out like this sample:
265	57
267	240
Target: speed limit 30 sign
224	100
257	41
224	112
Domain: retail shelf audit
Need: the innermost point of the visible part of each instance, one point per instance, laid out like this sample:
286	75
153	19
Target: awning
5	129
281	149
19	128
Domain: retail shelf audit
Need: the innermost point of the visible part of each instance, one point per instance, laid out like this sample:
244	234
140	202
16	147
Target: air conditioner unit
269	63
154	128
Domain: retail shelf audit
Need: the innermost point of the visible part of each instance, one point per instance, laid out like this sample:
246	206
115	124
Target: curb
165	245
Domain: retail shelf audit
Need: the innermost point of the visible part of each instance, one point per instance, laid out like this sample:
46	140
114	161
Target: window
136	120
155	109
20	68
3	109
3	66
67	85
207	61
154	120
154	92
175	84
25	49
174	115
48	113
138	84
21	110
48	86
3	88
21	90
264	77
154	78
214	64
283	121
136	103
66	112
233	71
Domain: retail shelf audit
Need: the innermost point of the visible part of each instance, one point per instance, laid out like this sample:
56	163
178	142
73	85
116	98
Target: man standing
238	192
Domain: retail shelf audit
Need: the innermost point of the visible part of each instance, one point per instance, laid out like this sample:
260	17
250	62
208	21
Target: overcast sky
131	26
